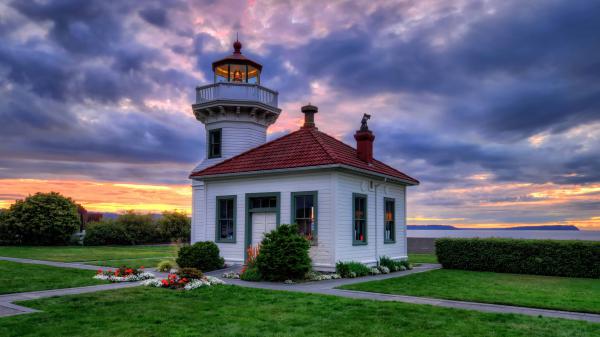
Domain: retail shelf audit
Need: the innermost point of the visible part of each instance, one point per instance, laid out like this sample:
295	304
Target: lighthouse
236	109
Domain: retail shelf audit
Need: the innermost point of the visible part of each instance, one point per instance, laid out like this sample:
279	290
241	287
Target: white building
352	206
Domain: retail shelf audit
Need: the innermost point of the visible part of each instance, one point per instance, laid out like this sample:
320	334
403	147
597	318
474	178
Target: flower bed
124	274
174	281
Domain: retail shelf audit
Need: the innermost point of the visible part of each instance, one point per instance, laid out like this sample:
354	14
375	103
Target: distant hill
528	228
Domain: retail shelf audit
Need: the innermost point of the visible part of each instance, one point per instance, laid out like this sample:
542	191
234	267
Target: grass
235	311
548	292
85	254
21	277
422	258
133	263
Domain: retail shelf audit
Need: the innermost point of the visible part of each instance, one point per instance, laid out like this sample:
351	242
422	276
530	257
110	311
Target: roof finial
237	45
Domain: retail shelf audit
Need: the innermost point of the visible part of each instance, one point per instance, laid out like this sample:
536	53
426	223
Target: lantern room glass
237	73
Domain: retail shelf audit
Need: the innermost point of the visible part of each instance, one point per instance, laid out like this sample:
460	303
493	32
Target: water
515	234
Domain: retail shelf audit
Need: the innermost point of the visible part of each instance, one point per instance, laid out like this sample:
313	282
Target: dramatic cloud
494	106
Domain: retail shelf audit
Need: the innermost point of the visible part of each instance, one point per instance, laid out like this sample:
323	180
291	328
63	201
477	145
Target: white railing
236	92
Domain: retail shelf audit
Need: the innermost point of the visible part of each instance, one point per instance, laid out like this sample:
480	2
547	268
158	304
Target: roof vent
309	112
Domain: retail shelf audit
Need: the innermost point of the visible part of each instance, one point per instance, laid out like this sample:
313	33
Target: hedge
538	257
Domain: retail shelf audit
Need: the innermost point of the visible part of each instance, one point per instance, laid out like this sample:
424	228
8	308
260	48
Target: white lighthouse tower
236	110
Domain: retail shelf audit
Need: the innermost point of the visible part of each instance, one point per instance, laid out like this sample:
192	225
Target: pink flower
99	271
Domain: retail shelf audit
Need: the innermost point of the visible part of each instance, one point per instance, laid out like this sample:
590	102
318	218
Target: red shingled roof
302	148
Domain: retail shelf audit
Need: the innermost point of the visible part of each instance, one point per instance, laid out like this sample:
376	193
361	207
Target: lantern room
237	68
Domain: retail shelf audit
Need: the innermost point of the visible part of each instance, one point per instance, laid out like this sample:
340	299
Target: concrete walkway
7	308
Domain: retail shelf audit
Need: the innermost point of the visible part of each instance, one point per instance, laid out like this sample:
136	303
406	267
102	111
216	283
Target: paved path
7	308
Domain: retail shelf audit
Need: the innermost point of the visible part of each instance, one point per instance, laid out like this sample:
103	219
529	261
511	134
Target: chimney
309	112
364	141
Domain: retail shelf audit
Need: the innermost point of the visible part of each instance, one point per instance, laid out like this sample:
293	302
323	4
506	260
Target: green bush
538	257
105	232
351	269
129	228
201	255
189	273
140	228
251	274
165	266
174	226
40	219
283	254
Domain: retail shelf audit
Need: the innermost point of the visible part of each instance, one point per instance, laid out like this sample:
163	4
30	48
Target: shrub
352	269
284	254
165	266
201	255
174	226
539	257
140	228
189	273
40	219
105	232
251	274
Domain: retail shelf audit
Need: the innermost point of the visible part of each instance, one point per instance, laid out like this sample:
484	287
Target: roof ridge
247	151
316	134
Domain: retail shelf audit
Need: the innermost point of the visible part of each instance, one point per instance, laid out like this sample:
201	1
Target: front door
262	223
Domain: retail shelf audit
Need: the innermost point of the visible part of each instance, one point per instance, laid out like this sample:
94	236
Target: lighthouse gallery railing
236	91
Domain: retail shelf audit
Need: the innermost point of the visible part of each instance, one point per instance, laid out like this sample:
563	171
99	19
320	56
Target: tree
40	219
174	226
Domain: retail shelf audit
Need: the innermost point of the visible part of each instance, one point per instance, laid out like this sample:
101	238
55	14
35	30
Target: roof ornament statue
363	122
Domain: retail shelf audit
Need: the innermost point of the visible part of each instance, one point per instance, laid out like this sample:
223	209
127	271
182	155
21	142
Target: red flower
129	271
99	271
184	280
165	282
117	272
141	267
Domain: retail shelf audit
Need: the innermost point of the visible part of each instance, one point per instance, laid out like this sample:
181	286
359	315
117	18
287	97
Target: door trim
249	211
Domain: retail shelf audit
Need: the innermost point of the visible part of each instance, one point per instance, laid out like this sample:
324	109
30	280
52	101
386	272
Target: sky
493	105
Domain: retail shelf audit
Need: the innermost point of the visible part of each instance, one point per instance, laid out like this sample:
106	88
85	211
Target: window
304	213
389	220
263	202
359	217
214	143
225	223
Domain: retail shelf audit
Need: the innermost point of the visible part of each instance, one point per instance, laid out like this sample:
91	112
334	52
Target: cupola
237	68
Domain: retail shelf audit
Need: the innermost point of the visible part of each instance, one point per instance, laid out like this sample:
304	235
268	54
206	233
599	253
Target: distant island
527	228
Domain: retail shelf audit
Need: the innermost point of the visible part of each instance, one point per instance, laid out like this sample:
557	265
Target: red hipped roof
303	148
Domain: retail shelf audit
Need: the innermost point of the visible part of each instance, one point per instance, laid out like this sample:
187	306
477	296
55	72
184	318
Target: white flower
335	276
153	282
384	269
375	271
128	278
213	280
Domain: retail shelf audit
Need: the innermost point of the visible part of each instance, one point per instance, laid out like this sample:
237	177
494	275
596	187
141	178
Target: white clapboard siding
347	184
321	254
236	137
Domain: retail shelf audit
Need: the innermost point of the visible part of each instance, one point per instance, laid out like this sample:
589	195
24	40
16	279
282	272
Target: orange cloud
103	196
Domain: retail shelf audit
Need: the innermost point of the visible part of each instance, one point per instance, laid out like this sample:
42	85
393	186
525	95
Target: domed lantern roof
237	67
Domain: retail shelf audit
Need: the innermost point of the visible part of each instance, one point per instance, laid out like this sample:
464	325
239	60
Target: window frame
366	219
393	201
315	195
209	143
217	218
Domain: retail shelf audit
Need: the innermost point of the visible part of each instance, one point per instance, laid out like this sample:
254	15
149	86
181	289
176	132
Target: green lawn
21	277
134	263
562	293
84	254
422	258
235	311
